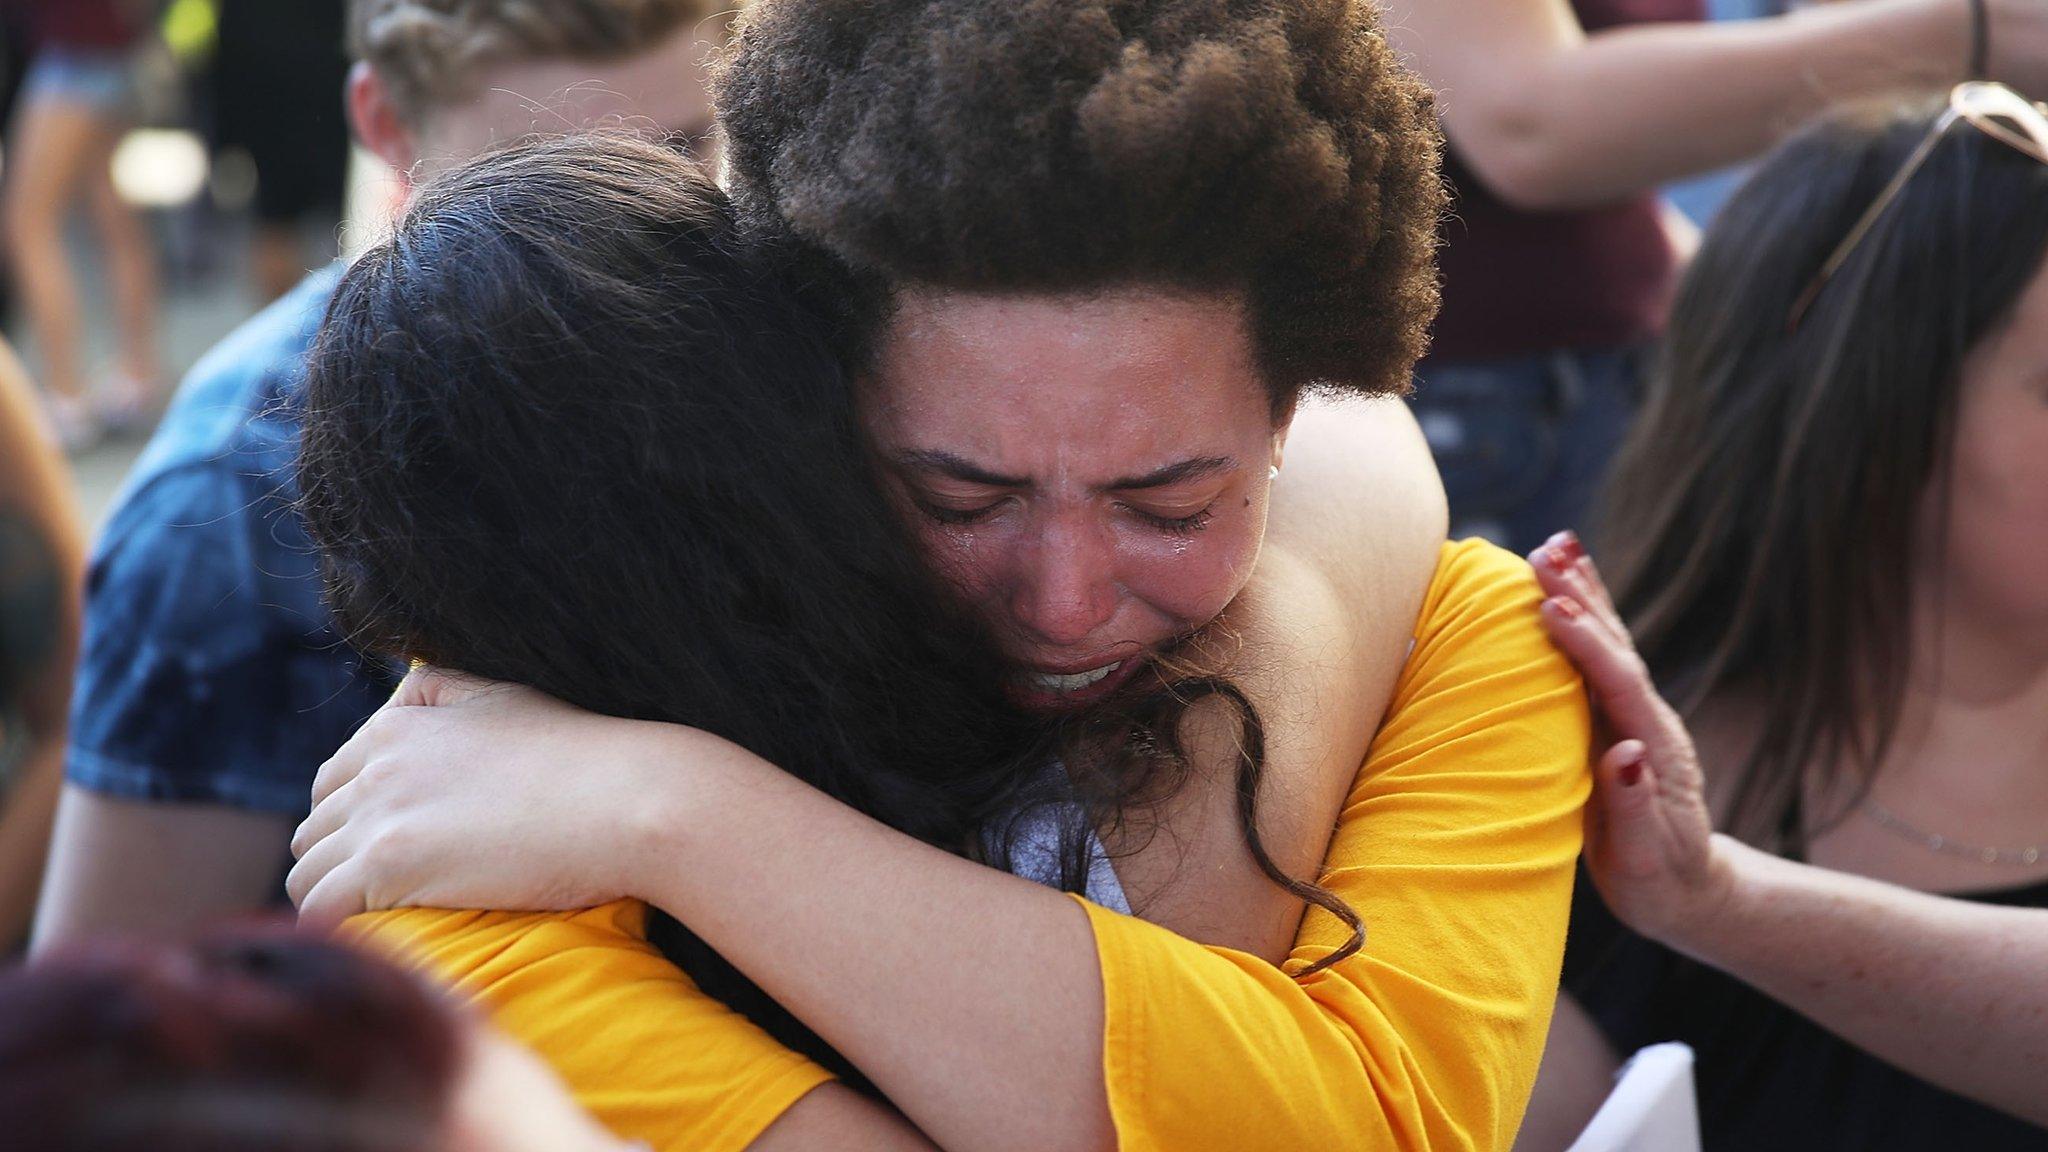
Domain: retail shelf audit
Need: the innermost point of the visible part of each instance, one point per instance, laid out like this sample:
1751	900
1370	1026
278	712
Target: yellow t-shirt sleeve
1457	846
647	1053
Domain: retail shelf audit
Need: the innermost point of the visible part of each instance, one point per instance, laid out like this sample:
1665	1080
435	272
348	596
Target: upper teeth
1053	682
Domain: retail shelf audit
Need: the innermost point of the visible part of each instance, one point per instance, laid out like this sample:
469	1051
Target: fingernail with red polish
1556	559
1632	772
1568	543
1567	607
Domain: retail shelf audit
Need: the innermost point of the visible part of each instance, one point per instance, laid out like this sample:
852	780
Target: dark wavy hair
1278	149
569	427
1762	519
250	1041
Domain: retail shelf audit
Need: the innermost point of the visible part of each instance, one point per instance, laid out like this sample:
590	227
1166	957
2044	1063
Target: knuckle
390	842
384	771
385	725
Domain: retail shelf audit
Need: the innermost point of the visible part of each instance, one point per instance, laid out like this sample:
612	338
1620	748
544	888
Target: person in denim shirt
213	684
211	674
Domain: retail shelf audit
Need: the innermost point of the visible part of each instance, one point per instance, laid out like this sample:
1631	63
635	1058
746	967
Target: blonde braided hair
430	52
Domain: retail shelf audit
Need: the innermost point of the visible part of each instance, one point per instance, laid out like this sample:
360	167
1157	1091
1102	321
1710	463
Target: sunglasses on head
1993	109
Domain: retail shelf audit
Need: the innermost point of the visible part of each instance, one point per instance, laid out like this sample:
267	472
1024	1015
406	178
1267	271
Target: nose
1066	588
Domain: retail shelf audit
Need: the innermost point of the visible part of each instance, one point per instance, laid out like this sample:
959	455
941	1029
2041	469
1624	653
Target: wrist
1733	883
658	807
684	787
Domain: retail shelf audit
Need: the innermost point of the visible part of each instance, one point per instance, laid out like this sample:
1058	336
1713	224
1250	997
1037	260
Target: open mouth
1067	691
1062	685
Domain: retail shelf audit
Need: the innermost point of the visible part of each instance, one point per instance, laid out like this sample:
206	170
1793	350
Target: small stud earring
1273	473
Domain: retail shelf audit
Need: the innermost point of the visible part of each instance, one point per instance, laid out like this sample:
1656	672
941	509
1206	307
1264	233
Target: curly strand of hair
1151	764
1251	770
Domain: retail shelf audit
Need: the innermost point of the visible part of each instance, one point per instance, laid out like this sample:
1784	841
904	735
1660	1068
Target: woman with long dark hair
1827	536
565	429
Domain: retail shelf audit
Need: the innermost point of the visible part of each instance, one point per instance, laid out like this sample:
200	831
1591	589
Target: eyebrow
1196	468
966	471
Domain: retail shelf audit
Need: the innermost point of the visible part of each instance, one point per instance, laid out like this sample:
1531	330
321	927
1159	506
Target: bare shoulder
1317	642
1359	499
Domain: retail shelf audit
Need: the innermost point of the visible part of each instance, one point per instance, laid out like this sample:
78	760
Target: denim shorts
100	81
1524	444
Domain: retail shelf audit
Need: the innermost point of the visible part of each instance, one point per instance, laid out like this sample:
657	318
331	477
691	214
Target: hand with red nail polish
1649	838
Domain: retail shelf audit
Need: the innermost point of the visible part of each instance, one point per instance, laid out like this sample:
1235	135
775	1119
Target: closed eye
1177	525
945	515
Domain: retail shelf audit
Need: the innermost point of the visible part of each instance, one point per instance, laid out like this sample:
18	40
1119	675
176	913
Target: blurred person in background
17	46
42	563
1564	118
212	683
277	77
1828	533
73	109
262	1041
1949	989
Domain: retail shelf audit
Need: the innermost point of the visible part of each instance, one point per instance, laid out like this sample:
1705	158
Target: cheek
1998	518
1193	578
967	557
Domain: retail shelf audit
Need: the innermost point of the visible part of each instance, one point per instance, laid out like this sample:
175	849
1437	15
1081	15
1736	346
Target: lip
1045	700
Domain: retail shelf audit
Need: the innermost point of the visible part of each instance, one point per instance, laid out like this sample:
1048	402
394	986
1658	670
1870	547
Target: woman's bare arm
41	589
1951	991
1550	116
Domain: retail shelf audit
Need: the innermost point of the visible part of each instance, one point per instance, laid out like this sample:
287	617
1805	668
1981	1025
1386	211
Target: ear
376	122
1282	422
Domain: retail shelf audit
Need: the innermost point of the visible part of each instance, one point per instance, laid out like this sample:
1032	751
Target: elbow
1520	158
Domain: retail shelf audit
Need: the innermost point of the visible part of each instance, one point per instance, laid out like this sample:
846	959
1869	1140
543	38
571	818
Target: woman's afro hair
1270	147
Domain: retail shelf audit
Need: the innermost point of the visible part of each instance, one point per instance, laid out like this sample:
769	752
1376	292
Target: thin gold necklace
1948	846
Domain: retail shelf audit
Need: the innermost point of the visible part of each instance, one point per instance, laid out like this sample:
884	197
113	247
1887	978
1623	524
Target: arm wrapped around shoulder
1457	846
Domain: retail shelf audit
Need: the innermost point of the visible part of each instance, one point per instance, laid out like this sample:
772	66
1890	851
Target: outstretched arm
1551	116
1950	991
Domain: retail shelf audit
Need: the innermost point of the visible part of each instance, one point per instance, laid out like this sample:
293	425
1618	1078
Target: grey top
1035	855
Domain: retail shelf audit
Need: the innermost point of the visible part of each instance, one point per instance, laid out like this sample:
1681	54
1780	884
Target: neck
1976	703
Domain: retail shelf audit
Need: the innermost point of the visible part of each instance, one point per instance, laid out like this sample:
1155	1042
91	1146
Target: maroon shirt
97	25
1517	283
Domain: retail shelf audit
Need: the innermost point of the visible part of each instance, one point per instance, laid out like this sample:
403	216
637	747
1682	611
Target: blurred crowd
162	134
1019	442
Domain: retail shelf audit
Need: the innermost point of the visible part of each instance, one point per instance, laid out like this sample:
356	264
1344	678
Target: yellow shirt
1456	845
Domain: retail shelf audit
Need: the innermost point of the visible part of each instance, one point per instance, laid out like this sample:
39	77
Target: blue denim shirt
211	671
